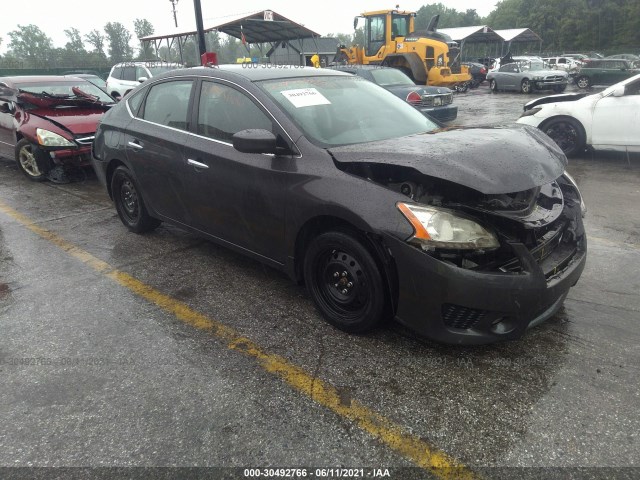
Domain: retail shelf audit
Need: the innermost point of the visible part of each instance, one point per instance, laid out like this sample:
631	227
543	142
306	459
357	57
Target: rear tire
345	282
568	134
129	203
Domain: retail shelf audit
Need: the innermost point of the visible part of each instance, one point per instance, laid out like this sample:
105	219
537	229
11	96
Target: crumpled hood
78	121
489	160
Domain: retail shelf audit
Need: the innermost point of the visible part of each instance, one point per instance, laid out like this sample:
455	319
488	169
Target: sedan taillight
414	98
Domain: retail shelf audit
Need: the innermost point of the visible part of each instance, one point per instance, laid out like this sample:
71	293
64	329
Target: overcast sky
324	17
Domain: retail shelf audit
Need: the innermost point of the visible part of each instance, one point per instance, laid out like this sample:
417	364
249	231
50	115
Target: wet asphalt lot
177	352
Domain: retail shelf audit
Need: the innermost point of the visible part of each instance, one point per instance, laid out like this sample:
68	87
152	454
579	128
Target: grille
456	316
554	78
85	140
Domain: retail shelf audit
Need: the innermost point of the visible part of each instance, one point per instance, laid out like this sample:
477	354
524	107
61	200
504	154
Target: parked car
605	71
568	64
433	101
608	120
478	73
96	80
126	76
343	185
634	59
527	76
47	122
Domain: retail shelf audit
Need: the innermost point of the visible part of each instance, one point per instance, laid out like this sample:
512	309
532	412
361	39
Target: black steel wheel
583	82
345	282
129	203
493	85
526	86
29	164
568	134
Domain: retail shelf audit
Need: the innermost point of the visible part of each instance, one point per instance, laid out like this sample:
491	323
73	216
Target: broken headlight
438	228
583	206
50	139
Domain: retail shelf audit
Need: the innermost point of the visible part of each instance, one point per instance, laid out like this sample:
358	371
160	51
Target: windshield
345	110
390	76
64	90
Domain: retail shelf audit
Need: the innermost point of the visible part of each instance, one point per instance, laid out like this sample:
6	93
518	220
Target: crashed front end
484	263
494	292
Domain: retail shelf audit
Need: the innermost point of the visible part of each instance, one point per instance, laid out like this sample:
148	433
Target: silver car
527	76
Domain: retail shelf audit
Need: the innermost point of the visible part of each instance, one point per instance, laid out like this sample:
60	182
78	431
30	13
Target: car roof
38	79
255	73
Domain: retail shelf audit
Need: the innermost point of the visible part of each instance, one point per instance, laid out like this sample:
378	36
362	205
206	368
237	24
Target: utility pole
175	17
200	27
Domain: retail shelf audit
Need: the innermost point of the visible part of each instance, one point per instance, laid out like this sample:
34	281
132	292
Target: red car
47	122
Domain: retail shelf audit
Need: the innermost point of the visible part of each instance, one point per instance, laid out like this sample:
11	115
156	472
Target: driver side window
223	111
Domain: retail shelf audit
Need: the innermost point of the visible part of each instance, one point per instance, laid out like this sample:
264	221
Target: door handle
197	164
135	145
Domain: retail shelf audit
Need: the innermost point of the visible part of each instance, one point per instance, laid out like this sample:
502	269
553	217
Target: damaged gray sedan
464	235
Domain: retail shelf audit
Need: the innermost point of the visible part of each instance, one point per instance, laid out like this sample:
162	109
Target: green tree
74	46
119	38
143	28
96	40
30	44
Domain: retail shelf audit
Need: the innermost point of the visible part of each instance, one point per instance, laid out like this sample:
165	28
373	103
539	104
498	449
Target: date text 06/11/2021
317	472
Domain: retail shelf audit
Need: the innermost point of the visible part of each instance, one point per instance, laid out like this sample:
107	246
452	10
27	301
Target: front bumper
549	84
445	113
460	306
71	156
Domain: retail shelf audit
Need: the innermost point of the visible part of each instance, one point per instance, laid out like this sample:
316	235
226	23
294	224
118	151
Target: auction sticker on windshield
305	97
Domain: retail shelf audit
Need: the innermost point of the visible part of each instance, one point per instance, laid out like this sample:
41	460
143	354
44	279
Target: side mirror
619	91
142	79
355	23
254	141
5	107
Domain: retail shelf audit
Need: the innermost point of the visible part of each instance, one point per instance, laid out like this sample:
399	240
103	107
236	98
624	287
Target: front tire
583	82
493	85
129	203
568	134
345	282
526	86
34	168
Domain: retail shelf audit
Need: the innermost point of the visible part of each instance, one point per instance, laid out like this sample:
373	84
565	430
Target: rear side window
135	101
129	73
168	103
224	111
141	72
117	72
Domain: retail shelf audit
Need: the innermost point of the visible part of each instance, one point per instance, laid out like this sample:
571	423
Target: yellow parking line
416	449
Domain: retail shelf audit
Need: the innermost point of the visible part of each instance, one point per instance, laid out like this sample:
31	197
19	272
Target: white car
126	76
568	64
609	120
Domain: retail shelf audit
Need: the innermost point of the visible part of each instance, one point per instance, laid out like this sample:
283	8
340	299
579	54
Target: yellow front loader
428	57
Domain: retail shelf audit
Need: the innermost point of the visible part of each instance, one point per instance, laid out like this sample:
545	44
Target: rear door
155	141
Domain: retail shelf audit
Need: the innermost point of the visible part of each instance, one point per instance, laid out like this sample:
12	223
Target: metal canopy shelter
483	34
265	26
518	35
475	34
